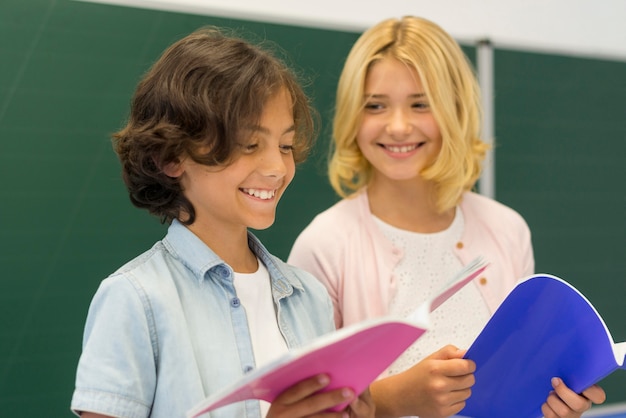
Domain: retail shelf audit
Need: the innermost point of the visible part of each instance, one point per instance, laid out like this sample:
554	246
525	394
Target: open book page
544	328
463	277
353	356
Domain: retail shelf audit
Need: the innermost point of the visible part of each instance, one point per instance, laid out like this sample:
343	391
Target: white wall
592	28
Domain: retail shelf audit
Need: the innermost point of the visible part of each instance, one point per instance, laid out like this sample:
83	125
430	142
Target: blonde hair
452	91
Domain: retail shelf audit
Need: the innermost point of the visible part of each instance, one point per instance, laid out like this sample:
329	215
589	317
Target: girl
406	155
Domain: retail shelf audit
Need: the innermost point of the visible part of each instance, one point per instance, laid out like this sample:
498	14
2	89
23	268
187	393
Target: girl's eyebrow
383	96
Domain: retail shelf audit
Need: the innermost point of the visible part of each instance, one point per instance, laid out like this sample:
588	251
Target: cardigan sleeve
318	253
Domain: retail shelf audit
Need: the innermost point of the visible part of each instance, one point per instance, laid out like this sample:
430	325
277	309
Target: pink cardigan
345	250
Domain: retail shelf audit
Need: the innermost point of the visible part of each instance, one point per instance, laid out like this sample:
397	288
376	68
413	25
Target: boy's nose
272	163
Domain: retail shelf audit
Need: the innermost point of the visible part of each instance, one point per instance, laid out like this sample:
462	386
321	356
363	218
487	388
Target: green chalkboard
67	72
561	147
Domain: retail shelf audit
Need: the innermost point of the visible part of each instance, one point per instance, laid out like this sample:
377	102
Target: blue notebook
544	328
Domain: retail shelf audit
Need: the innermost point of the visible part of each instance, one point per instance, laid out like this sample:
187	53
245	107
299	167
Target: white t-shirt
255	293
429	262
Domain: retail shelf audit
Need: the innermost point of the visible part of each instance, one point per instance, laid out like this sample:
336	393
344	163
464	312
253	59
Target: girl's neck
408	205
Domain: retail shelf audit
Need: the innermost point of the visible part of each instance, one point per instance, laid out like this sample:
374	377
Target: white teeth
261	194
404	148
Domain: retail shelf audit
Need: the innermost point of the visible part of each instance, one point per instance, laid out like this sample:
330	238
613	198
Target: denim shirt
167	330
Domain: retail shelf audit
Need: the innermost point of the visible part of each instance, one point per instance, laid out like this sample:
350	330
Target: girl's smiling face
398	134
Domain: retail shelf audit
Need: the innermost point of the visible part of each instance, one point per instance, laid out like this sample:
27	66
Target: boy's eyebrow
264	130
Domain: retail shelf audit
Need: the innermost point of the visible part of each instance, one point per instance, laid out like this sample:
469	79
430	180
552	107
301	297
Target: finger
316	404
457	407
323	402
547	411
447	352
453	367
451	404
574	401
449	361
452	400
363	405
461	368
302	390
595	394
555	407
358	407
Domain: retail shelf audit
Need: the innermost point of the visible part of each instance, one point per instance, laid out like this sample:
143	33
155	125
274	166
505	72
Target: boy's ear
173	169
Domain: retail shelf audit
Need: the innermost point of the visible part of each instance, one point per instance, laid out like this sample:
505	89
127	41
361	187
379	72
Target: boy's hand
362	407
303	400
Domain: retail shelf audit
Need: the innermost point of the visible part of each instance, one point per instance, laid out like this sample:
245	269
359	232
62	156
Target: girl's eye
421	106
373	106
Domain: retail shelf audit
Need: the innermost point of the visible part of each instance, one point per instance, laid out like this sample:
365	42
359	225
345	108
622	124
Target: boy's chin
260	226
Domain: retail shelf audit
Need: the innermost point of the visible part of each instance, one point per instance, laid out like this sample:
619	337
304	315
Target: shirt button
235	302
459	245
483	281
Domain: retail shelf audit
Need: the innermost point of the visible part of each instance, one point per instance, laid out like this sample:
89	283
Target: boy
215	130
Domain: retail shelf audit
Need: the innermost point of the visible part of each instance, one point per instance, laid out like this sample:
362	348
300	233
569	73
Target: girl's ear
173	169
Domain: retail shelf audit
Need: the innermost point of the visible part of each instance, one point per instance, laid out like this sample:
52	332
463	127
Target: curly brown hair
196	97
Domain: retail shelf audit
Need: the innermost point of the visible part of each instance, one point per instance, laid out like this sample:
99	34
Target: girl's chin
398	175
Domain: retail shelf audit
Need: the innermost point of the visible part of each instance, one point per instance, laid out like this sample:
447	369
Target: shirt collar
283	278
199	258
190	250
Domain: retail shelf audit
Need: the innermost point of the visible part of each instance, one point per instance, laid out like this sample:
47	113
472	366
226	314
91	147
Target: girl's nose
399	125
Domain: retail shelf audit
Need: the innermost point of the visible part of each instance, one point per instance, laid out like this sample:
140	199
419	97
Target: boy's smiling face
245	193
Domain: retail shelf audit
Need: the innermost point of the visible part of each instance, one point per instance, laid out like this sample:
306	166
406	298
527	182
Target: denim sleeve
116	372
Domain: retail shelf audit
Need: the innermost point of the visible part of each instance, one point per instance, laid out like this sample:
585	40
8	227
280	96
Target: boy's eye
248	148
286	149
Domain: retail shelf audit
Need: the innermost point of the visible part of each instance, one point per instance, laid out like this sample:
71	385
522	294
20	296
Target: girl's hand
565	403
437	386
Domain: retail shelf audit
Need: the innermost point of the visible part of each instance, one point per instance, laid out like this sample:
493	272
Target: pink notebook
353	356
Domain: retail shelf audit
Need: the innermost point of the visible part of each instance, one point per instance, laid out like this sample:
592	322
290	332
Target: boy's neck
231	246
